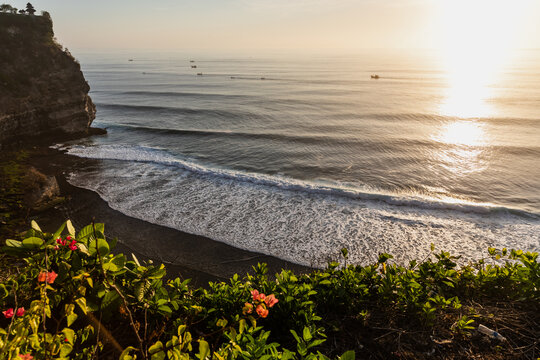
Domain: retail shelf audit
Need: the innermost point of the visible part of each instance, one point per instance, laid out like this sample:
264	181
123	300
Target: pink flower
68	237
72	246
56	247
47	276
271	300
20	311
262	311
8	313
26	356
255	294
248	308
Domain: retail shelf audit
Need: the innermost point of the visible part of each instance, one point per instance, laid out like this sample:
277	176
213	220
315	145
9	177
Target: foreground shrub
74	298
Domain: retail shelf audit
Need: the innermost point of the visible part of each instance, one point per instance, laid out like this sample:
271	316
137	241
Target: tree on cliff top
6	8
30	9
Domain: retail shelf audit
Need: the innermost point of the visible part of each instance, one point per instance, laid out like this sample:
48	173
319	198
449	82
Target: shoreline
189	256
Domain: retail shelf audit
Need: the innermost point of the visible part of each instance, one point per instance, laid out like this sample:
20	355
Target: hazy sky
290	25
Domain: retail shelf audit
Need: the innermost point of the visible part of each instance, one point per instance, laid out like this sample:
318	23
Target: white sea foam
298	221
161	157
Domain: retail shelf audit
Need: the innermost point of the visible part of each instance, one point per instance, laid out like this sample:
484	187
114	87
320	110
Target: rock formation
43	93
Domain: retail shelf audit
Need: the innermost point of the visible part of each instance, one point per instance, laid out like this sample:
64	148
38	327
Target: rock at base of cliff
41	191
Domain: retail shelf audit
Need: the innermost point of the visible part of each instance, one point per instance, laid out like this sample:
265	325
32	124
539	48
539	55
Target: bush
75	298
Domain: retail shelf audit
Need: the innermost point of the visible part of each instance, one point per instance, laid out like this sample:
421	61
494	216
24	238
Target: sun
476	44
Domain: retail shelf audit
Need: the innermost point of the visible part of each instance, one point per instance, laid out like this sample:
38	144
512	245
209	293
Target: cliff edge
43	93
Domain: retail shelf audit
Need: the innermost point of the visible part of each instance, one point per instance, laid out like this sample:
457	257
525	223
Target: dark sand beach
188	256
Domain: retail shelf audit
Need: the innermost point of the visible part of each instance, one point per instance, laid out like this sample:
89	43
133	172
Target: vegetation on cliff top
73	298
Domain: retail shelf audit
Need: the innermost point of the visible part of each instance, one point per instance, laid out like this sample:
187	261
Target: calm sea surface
300	157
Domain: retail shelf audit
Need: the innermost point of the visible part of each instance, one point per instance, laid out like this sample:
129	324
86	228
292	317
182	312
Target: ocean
299	157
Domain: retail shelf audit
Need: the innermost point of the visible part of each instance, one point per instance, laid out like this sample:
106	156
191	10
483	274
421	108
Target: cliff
43	93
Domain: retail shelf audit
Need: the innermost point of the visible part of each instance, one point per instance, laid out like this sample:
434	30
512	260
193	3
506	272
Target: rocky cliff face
43	92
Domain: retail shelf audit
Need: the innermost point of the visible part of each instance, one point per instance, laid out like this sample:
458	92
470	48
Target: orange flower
271	300
247	309
47	276
255	294
26	356
262	311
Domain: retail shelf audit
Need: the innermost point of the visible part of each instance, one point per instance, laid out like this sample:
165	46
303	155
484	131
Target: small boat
193	66
199	74
130	59
263	78
191	60
375	76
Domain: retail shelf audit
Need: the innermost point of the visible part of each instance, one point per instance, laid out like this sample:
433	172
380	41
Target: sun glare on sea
467	133
463	147
476	45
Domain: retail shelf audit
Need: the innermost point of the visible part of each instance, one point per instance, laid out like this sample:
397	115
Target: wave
172	110
397	144
179	94
342	115
335	189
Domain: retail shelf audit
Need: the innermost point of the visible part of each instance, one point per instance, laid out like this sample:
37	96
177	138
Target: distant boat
130	60
263	78
191	60
375	76
193	66
199	74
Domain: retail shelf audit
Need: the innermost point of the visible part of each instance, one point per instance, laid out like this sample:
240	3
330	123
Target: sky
340	26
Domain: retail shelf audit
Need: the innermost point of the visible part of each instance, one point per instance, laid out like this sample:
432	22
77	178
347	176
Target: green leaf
307	334
348	355
165	310
3	291
204	349
35	226
83	248
59	231
112	242
14	243
110	299
71	318
297	338
70	228
32	242
135	259
242	326
156	351
76	262
65	349
69	334
141	288
85	232
102	247
82	304
100	227
125	354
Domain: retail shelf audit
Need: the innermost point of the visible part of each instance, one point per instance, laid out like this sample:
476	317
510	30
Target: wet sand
188	256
